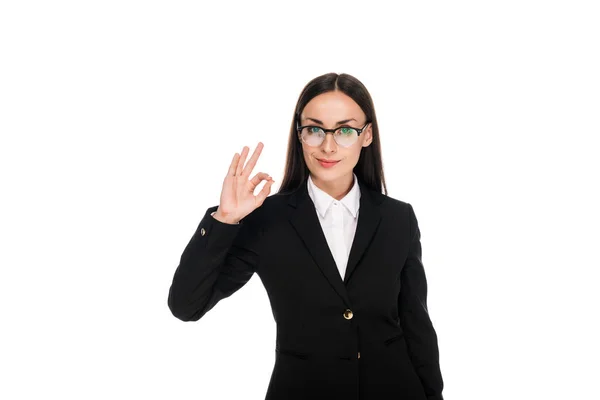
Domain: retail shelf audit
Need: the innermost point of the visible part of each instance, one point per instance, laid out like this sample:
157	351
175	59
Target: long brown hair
369	168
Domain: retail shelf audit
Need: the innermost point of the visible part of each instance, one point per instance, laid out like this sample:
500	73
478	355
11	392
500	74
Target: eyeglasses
344	136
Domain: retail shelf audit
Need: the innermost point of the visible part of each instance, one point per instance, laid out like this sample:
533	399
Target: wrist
221	218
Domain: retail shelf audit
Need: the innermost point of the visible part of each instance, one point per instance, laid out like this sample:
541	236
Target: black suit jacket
367	336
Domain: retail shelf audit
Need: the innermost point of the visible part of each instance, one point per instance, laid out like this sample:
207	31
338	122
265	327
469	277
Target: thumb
262	195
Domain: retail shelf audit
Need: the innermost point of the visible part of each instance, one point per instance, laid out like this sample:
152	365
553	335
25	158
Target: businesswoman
339	259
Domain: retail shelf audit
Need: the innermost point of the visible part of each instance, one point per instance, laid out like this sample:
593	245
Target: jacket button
348	314
202	231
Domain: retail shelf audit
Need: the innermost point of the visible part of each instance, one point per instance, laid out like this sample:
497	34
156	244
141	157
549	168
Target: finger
264	193
233	165
252	162
255	181
240	165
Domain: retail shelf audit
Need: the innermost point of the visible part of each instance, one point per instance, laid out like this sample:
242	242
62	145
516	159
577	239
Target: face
331	110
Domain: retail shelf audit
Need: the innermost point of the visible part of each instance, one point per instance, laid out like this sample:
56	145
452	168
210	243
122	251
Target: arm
421	338
213	266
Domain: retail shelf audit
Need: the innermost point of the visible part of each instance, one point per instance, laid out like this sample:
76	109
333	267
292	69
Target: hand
237	195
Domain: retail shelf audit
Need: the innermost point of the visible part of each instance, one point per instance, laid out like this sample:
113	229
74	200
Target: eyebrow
338	123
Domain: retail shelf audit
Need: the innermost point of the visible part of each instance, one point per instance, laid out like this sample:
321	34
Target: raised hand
237	196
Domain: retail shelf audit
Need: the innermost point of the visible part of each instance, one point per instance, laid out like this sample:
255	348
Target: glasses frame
358	131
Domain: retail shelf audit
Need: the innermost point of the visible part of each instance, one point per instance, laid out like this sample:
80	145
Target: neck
337	188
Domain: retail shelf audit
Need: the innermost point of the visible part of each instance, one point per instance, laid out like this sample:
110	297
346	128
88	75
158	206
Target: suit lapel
369	217
305	221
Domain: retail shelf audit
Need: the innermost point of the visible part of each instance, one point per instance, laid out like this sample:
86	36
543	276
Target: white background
119	120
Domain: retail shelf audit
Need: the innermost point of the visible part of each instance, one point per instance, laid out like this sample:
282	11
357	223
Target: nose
329	145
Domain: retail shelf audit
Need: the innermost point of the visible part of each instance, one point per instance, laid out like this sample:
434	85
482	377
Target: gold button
202	232
348	314
359	354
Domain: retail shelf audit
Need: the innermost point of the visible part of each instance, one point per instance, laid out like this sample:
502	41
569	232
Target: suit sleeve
218	260
421	338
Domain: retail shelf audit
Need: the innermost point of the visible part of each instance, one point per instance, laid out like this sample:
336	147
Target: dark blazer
367	337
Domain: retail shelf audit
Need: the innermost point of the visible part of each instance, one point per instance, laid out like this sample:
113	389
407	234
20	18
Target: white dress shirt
338	219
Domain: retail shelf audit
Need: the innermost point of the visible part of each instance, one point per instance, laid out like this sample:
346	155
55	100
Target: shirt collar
323	200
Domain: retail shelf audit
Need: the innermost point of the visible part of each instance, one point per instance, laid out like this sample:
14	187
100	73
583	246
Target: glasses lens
312	135
346	136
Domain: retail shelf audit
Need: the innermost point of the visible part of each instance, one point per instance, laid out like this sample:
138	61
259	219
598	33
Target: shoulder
273	206
391	204
396	213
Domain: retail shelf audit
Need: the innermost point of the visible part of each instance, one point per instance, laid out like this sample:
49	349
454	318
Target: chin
329	175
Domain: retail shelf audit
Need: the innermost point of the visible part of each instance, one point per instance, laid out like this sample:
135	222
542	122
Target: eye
346	130
314	129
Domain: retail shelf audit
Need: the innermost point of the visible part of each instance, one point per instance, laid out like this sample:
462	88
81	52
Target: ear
368	136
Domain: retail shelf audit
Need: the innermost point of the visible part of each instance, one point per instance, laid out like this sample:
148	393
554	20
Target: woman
340	260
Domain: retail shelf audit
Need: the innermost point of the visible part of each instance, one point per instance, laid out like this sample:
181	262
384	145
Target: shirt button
348	314
202	231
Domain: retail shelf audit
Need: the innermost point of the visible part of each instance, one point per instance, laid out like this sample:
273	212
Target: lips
327	164
327	161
